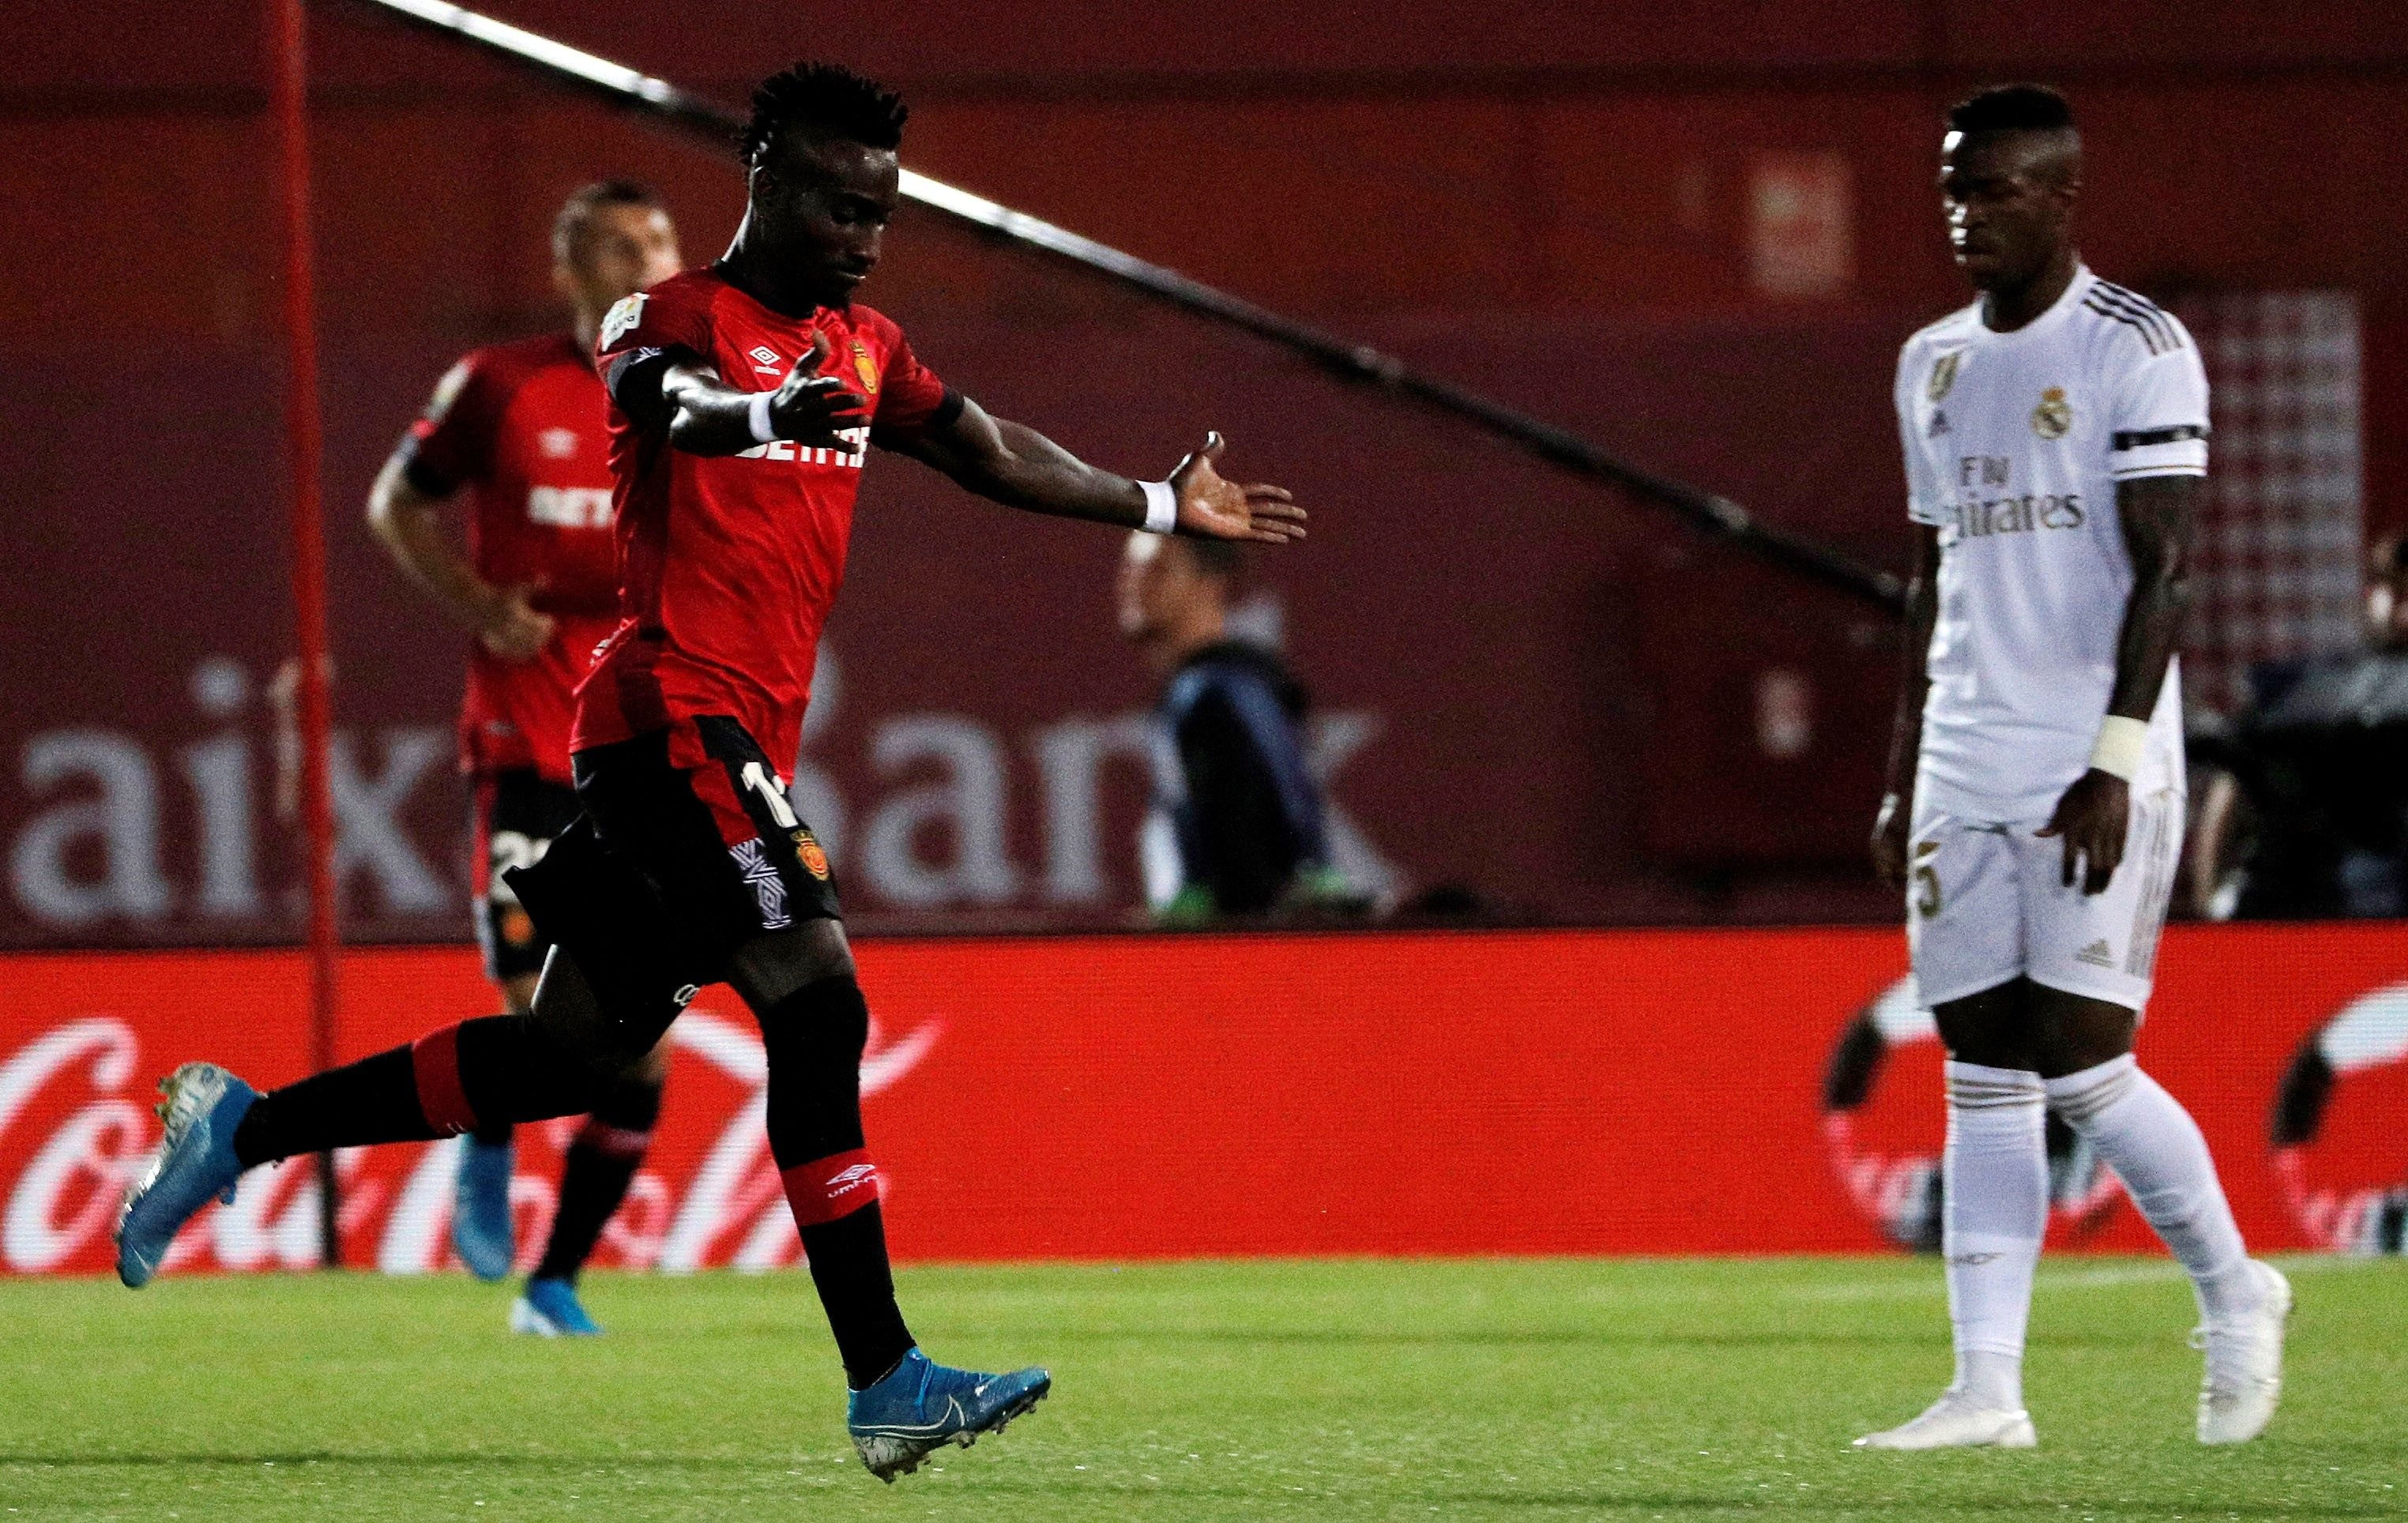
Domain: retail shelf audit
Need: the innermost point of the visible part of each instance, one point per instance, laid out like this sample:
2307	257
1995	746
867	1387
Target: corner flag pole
1707	513
304	438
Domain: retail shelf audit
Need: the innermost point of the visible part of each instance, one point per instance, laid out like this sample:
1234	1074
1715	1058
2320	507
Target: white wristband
1161	507
756	413
2121	741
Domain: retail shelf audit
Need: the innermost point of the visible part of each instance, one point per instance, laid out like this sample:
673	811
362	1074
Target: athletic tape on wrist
756	413
2121	741
1161	507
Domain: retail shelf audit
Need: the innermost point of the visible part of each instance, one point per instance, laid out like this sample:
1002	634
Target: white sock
1994	1212
2156	1149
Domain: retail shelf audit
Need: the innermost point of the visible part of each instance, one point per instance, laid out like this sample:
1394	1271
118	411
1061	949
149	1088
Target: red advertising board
1123	1097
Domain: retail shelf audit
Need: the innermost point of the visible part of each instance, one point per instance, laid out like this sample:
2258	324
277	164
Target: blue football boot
195	1164
924	1405
480	1209
550	1309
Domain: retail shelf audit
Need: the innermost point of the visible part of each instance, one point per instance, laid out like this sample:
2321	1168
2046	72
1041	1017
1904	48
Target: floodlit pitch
1306	1388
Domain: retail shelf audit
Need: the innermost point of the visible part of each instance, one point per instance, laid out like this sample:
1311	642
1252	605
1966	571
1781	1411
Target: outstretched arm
1906	730
1020	467
674	393
2155	512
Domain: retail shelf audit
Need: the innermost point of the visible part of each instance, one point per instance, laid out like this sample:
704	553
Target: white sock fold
2156	1149
1994	1214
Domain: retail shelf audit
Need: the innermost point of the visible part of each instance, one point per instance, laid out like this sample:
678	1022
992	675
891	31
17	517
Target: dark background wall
1550	201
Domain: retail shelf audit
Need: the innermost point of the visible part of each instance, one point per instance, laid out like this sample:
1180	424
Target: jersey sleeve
2157	413
453	441
671	316
911	400
1924	503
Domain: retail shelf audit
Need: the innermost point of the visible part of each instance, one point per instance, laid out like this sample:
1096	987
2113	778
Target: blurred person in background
1235	828
520	431
2304	812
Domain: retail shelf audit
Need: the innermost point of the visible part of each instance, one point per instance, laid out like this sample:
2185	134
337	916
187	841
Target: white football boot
2244	1364
1957	1421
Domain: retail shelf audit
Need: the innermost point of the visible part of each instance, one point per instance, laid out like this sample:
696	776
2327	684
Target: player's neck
1174	646
744	268
2006	308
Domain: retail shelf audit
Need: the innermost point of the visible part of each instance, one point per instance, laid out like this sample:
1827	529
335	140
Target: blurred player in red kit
520	430
743	399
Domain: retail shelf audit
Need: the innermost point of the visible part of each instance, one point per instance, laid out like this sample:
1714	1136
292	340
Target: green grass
1319	1389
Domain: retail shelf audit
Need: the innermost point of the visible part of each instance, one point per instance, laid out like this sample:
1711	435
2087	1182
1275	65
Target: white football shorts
1985	902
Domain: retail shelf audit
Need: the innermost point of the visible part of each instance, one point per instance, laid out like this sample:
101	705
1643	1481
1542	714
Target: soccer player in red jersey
520	430
742	399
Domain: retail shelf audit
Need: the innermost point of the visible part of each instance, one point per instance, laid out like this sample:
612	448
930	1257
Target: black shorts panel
518	812
649	898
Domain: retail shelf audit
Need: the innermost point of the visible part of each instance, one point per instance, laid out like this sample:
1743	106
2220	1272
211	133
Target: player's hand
513	630
1889	842
1210	507
812	410
2091	820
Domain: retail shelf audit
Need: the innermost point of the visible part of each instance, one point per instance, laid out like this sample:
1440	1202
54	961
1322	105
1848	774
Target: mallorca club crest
2053	417
1943	374
867	368
814	859
621	320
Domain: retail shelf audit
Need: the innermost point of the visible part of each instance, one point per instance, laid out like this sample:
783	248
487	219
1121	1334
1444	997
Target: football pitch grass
1320	1389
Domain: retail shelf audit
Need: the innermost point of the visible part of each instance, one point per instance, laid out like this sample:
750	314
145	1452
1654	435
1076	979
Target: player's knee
771	970
511	1069
630	1103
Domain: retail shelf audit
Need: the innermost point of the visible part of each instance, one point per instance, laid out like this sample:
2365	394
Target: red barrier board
1654	1092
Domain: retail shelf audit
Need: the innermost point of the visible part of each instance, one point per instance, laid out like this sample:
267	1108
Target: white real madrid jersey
2014	442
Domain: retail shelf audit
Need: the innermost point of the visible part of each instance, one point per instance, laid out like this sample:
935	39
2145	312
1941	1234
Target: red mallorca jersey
729	565
523	426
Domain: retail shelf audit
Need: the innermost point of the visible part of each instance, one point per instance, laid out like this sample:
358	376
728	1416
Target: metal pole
303	446
1707	513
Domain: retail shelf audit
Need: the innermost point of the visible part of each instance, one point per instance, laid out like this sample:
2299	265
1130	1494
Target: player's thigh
1993	1028
2103	946
516	813
748	894
1962	903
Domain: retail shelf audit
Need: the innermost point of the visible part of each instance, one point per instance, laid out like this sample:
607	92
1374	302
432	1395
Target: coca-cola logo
75	1124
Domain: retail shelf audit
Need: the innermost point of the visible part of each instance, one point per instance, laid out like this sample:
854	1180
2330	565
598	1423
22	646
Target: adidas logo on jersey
2097	953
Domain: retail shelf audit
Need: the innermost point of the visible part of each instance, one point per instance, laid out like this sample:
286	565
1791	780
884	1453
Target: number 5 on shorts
1926	879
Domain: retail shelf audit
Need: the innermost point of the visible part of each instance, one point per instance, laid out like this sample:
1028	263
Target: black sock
372	1100
604	1157
494	1133
814	1040
856	1287
504	1068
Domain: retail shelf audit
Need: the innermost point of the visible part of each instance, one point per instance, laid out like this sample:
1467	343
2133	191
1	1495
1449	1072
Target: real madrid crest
863	366
2053	417
1943	374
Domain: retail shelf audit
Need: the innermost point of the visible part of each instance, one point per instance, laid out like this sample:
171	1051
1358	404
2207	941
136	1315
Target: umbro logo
851	1178
2097	953
766	359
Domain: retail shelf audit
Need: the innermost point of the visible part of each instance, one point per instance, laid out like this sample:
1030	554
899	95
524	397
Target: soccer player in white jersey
2056	436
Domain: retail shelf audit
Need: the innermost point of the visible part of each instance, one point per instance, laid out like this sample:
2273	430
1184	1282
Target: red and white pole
303	446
